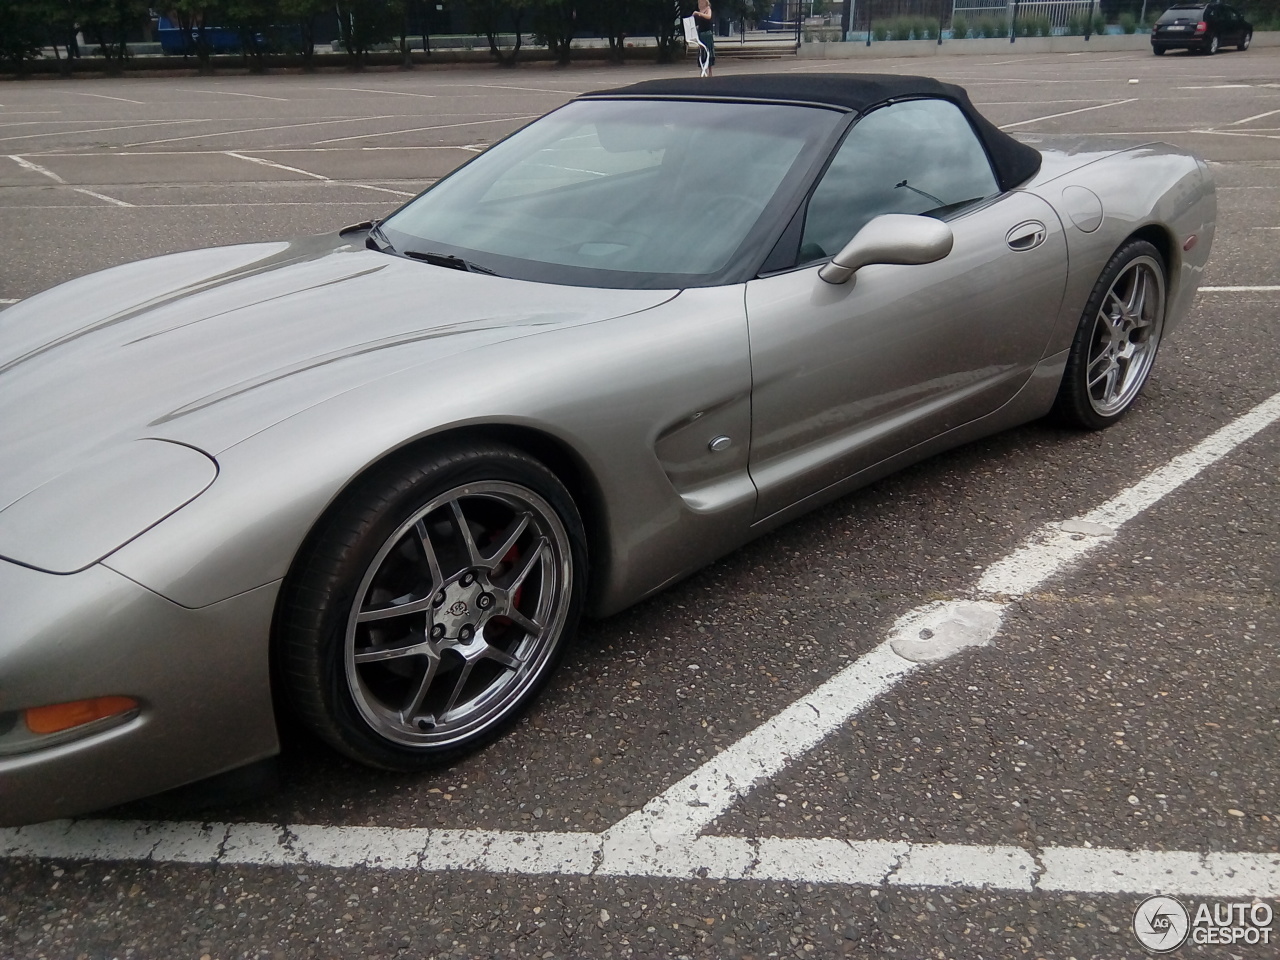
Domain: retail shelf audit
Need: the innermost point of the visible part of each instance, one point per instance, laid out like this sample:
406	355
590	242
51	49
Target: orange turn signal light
63	716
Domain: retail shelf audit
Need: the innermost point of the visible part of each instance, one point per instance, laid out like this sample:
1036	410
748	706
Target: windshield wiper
450	261
929	196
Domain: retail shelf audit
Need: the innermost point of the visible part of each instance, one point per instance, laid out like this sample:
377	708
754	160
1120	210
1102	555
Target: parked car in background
1201	27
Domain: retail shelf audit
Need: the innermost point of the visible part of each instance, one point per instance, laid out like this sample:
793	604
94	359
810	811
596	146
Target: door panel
846	375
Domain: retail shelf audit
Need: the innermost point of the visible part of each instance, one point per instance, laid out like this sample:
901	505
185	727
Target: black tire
1211	46
1158	51
1117	340
480	551
1243	45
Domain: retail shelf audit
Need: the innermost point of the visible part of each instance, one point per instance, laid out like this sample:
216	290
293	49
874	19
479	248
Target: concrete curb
882	49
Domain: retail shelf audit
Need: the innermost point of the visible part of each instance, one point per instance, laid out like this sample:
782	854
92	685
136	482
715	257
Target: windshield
619	193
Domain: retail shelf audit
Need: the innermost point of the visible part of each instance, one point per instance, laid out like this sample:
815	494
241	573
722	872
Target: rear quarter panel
1154	190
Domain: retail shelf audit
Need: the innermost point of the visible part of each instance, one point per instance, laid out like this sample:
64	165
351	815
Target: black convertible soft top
1014	162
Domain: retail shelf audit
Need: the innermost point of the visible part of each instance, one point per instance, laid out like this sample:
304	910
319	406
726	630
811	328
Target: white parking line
662	838
1054	116
101	196
1257	116
228	133
827	860
230	93
1270	289
442	126
274	165
36	168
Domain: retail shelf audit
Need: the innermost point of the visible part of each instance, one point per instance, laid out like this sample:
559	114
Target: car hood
208	347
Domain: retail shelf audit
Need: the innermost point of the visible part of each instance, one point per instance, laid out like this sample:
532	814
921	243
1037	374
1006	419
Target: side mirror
890	238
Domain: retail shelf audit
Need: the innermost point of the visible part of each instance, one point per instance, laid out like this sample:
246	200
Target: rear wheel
1116	342
1211	47
1244	44
1158	51
432	605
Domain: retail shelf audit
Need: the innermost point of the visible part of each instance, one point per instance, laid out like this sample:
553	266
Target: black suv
1200	26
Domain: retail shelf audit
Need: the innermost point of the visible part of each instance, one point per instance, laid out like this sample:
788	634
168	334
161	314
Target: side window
916	156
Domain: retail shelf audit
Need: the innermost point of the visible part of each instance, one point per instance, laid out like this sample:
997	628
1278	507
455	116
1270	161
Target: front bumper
201	677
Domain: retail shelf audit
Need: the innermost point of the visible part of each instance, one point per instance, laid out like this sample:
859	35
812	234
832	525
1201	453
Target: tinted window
919	156
623	193
1182	13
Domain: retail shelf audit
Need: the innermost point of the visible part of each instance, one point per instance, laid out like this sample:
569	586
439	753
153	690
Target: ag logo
1161	924
458	609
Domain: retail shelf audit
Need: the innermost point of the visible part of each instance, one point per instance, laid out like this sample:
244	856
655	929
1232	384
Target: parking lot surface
739	767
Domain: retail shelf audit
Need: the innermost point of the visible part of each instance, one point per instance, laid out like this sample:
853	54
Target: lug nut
438	599
437	632
484	601
468	578
466	633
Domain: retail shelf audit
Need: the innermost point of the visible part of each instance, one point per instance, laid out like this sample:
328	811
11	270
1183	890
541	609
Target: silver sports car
374	479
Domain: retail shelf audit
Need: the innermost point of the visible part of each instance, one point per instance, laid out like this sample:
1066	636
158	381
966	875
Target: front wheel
432	605
1116	342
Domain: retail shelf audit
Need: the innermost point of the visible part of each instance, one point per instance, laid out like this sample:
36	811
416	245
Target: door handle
1026	236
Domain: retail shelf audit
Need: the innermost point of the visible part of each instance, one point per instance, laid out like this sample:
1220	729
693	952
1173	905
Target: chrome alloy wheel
1125	336
457	613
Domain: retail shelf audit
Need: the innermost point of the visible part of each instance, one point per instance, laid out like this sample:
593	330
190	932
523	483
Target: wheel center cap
460	609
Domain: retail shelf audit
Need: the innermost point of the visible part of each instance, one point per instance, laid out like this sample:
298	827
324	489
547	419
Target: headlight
81	516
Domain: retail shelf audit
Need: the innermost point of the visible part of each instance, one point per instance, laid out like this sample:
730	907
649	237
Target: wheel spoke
526	624
502	657
395	610
535	555
1109	390
414	704
1102	376
433	563
381	654
464	531
1100	358
1138	293
463	676
516	531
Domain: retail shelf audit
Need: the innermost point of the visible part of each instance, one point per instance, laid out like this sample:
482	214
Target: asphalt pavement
1116	738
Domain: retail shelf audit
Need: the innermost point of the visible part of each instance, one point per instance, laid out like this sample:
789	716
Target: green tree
556	21
303	15
362	24
612	18
487	18
253	21
108	24
21	32
664	17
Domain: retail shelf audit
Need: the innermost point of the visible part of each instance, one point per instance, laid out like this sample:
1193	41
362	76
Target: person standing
706	31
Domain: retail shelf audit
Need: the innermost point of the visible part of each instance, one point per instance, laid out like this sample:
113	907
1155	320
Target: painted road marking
1270	289
230	93
1054	116
1256	116
316	176
662	838
101	196
274	165
826	860
442	126
228	133
36	168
